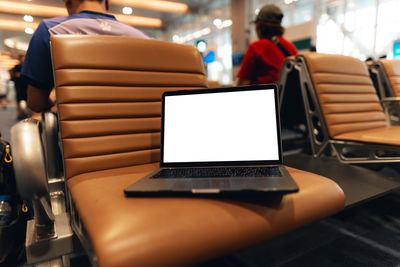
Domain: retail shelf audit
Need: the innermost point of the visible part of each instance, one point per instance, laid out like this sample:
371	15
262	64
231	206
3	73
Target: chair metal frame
294	132
287	68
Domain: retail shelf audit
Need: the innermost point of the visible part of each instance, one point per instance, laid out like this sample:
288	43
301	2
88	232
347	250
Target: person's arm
37	70
38	99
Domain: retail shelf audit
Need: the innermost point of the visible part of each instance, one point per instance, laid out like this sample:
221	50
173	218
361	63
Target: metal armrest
30	173
392	110
29	161
36	166
390	99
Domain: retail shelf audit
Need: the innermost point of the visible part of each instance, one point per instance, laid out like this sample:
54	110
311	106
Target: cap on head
270	13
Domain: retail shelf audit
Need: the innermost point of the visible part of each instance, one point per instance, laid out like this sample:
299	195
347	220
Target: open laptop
215	141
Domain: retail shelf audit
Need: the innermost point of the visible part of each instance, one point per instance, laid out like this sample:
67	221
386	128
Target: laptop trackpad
216	185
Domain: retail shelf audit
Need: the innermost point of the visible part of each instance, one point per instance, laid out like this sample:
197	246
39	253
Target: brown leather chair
385	74
108	95
343	110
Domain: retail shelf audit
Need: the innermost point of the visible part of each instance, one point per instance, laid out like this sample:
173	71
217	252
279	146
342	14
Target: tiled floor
365	235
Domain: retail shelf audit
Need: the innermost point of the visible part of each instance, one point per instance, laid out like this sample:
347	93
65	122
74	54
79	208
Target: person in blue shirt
85	17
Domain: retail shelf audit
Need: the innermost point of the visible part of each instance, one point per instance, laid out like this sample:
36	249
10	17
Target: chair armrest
37	171
391	108
29	161
390	99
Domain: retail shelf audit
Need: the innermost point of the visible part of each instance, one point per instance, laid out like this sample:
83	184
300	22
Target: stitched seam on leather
120	101
379	111
114	118
178	72
341	74
348	102
106	169
103	118
116	103
115	153
334	86
356	122
112	134
347	93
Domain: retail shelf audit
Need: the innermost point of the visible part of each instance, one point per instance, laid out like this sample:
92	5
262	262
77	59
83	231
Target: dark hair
267	29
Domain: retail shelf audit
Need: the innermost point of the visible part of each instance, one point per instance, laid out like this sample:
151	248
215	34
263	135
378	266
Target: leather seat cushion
173	231
383	135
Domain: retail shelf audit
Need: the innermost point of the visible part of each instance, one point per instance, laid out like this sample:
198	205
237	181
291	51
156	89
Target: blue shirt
37	69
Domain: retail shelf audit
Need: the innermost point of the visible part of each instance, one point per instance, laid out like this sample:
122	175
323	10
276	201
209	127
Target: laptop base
149	186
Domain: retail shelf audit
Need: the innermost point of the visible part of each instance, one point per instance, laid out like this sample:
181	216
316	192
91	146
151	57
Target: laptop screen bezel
222	163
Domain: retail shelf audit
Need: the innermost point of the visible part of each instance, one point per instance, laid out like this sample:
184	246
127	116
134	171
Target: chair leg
63	261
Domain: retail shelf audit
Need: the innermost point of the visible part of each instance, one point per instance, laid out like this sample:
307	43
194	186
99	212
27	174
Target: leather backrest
345	93
109	97
392	70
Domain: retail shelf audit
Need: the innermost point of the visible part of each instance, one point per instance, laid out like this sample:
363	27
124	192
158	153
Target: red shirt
263	60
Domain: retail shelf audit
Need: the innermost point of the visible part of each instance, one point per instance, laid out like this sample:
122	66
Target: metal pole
375	28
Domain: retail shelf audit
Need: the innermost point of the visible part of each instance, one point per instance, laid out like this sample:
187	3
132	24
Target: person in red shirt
263	59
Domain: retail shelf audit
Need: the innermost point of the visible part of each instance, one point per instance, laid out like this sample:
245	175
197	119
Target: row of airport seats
109	107
331	99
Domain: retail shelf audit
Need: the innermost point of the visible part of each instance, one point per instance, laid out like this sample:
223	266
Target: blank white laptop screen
214	127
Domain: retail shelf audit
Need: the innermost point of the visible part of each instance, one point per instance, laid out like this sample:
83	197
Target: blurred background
222	29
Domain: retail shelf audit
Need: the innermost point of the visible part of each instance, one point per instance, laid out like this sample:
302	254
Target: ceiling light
17	25
22	46
227	23
205	31
194	35
127	10
140	21
175	38
217	22
10	43
28	18
33	10
29	30
164	6
201	46
197	35
49	11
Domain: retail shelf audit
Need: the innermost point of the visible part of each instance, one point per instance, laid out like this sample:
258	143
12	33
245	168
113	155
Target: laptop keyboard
218	172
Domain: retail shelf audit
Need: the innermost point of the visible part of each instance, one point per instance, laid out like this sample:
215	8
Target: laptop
216	141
